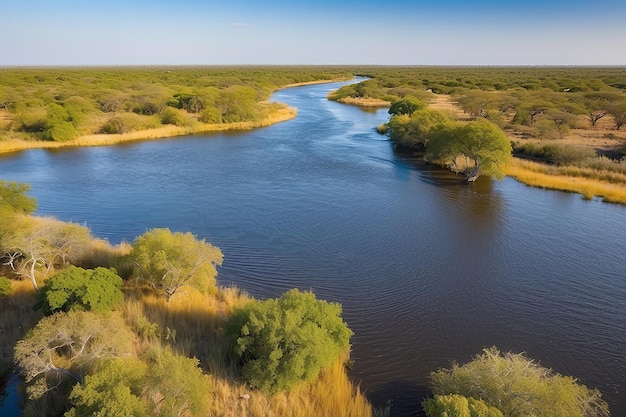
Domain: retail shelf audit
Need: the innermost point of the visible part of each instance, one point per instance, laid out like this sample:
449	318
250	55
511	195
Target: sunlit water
429	270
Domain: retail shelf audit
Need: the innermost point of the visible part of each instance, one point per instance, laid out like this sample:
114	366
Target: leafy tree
481	142
115	390
172	116
65	346
13	198
407	105
518	387
618	111
170	261
79	289
287	340
413	131
598	105
455	405
175	385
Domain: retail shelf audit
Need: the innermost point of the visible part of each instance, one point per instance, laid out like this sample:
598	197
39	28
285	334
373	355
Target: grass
277	116
609	186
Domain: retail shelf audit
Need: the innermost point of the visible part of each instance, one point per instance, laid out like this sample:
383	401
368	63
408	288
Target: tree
65	346
618	111
413	131
455	405
598	105
5	286
13	198
170	261
407	106
518	386
481	142
78	289
115	390
284	341
37	245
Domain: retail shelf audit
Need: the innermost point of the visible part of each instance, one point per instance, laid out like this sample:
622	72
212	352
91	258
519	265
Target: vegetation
455	405
13	198
284	341
169	261
78	289
515	385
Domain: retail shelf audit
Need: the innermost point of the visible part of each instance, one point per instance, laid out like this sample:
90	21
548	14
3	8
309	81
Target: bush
519	387
81	289
287	340
172	116
115	125
455	405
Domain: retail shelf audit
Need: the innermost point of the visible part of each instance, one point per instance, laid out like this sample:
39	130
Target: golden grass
191	324
365	102
588	182
277	116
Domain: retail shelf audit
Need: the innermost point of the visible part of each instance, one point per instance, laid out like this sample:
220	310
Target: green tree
481	145
13	198
170	261
455	405
413	132
79	289
284	341
519	387
407	106
115	390
618	111
5	286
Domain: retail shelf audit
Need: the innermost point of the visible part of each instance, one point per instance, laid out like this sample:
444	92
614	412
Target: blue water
429	269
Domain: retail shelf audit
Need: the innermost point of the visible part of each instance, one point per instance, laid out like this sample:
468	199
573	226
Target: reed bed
609	186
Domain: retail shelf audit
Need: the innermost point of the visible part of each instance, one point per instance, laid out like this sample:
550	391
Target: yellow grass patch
589	184
364	102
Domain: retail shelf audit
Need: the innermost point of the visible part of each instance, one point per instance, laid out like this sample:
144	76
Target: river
429	270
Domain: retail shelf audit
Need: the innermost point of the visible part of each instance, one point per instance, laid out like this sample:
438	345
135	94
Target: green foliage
5	286
170	261
78	289
455	405
482	142
115	390
114	125
175	385
14	199
519	387
413	132
284	341
407	106
171	116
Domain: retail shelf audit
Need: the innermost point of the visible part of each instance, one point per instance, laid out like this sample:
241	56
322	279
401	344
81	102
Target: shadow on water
392	397
9	396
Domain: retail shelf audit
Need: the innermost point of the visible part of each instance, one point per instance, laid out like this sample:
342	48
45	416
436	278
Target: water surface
429	269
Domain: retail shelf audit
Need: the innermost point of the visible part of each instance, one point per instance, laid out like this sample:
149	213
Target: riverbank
168	131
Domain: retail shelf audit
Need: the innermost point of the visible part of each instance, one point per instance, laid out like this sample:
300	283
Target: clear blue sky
401	32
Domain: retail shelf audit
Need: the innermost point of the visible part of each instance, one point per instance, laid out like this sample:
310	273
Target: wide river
429	269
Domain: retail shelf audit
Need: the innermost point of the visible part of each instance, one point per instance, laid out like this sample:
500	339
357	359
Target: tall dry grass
191	324
609	186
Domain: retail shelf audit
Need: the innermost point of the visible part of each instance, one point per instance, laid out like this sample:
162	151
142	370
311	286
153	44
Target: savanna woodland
145	329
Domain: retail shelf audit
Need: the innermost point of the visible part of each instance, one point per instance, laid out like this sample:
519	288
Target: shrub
115	125
81	289
172	116
518	387
287	340
455	405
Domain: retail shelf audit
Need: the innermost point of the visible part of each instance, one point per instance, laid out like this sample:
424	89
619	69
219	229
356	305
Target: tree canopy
284	341
519	387
481	142
170	261
81	290
13	198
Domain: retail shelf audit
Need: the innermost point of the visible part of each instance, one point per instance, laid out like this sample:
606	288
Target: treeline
143	329
60	104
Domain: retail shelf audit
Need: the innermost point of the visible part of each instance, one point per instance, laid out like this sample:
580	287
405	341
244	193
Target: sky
321	32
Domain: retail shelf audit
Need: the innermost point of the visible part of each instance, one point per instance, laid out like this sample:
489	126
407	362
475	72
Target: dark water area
429	270
9	396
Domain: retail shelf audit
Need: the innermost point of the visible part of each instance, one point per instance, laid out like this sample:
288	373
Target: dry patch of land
364	102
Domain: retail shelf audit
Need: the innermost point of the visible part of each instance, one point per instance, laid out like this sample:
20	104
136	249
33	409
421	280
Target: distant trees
515	385
284	341
407	106
170	261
